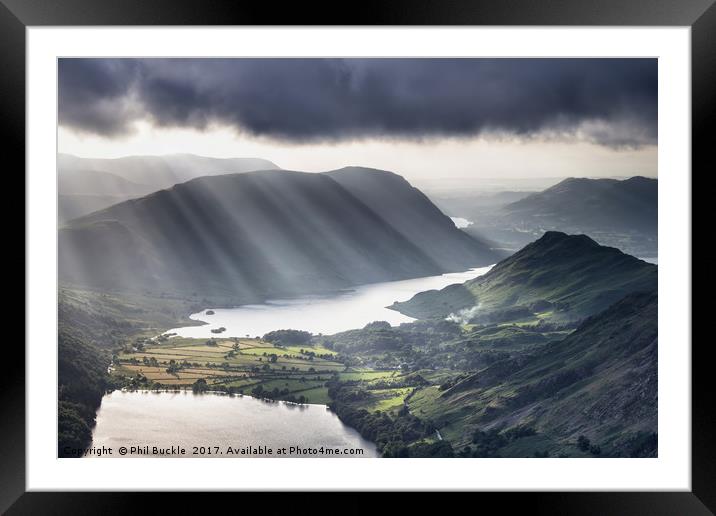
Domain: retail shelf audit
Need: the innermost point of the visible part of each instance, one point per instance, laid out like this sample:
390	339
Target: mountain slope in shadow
602	204
265	234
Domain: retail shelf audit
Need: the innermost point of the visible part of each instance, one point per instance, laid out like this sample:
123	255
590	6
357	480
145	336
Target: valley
527	384
373	320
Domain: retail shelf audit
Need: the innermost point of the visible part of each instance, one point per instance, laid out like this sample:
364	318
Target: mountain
94	182
83	191
411	214
559	277
614	212
600	382
86	185
266	234
604	204
157	172
72	206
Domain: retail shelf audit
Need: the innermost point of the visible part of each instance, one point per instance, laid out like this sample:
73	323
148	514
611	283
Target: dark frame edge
703	123
12	113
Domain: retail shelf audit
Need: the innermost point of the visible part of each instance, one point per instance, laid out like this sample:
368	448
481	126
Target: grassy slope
110	319
600	382
563	277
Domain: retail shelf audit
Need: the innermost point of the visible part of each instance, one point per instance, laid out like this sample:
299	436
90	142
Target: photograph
357	257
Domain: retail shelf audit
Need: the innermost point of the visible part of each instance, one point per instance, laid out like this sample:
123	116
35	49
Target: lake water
184	420
322	314
461	223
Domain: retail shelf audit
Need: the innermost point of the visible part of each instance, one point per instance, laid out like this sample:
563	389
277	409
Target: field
253	366
250	366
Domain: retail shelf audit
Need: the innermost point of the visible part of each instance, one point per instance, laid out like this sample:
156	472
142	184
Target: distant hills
157	172
264	234
84	191
559	277
606	204
96	182
87	184
618	213
71	206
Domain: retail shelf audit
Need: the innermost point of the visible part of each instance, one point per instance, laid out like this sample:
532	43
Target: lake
183	420
322	314
461	223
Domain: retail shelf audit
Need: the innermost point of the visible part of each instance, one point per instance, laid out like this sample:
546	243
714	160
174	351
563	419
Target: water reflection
183	420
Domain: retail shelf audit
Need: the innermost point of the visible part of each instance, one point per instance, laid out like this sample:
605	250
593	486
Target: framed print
446	247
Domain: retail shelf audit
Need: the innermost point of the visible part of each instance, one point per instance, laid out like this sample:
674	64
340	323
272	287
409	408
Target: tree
583	443
200	386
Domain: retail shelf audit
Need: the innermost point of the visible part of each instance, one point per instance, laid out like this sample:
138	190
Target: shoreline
188	390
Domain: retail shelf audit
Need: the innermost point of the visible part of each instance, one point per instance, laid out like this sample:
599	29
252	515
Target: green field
241	365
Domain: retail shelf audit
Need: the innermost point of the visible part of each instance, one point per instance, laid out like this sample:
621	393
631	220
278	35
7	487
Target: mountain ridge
606	203
265	234
567	277
161	171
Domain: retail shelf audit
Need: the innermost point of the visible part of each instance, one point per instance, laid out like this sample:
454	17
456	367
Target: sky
422	118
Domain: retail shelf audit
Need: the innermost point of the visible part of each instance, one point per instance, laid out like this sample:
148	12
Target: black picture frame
700	15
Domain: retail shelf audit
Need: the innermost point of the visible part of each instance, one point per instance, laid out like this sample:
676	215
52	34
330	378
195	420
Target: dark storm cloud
610	101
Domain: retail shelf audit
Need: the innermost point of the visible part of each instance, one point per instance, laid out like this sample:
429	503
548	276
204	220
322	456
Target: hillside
605	204
266	234
411	214
94	182
81	382
558	277
156	172
599	382
72	206
617	213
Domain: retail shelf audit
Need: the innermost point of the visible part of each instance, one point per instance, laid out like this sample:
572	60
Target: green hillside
557	278
600	382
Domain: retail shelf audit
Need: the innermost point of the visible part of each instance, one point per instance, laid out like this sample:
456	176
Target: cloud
611	102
